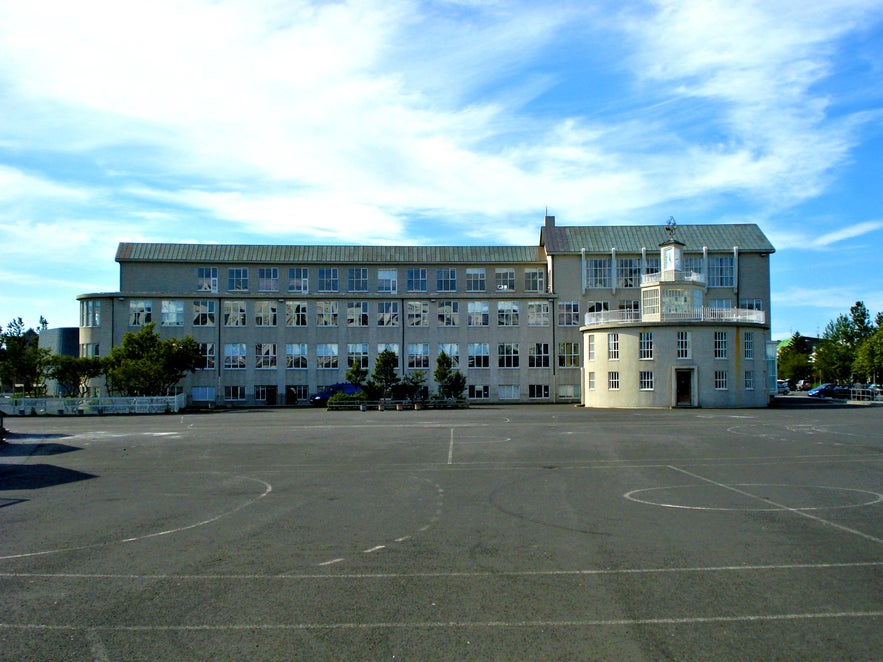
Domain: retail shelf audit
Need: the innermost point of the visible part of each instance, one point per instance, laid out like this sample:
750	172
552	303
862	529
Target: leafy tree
73	372
794	359
413	385
860	323
869	357
385	375
144	364
22	360
451	383
356	374
835	353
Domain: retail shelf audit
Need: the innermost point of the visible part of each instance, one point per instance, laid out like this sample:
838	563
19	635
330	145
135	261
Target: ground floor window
568	391
509	391
646	380
295	392
591	381
203	394
720	380
538	391
479	391
749	380
234	393
613	380
568	355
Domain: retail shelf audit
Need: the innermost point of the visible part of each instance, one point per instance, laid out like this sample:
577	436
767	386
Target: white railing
673	276
703	314
107	405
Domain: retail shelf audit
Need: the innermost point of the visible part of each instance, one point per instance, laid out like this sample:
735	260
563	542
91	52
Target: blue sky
407	122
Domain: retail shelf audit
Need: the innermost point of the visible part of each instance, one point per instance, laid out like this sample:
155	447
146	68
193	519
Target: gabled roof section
632	238
267	254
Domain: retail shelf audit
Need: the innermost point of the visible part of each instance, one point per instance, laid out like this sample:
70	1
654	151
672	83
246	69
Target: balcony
703	314
673	276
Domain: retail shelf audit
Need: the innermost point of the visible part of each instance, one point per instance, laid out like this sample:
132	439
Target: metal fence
92	406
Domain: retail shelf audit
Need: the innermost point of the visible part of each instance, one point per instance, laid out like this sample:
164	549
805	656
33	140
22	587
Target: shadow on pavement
37	476
12	449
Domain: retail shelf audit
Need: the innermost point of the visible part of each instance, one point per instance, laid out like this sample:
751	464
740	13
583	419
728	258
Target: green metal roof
632	238
244	253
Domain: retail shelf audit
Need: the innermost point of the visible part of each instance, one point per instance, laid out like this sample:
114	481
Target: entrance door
683	388
271	395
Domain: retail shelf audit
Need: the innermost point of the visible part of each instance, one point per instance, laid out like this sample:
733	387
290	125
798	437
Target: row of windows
326	356
267	393
357	313
647	380
328	279
605	272
646	345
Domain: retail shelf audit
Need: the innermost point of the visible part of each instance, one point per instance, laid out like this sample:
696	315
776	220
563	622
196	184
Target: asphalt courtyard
510	533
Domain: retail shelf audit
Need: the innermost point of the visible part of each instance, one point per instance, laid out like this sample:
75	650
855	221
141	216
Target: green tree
144	364
74	372
22	360
794	359
413	385
356	374
451	383
385	375
869	358
835	352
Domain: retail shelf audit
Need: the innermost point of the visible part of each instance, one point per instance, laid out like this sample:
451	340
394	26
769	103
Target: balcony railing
673	276
703	314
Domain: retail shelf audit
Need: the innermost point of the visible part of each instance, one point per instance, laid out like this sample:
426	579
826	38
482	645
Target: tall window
387	313
234	356
90	313
265	355
357	313
449	313
534	279
749	380
591	348
418	313
478	313
387	281
140	312
418	355
628	272
748	345
475	280
591	380
234	313
357	353
326	356
357	279
207	352
446	279
653	264
598	272
391	347
683	345
568	313
328	279
720	380
295	313
720	271
265	313
646	345
720	344
612	346
452	350
207	279
417	280
507	355
568	355
692	264
268	279
326	313
538	355
237	279
651	301
296	356
504	279
613	380
479	355
298	279
204	313
538	313
645	380
172	313
507	313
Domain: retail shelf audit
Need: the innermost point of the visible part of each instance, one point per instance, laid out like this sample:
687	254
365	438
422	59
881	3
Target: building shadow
26	449
37	476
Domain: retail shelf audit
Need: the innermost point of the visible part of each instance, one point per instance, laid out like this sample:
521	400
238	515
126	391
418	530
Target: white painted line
374	549
451	448
403	539
331	562
795	511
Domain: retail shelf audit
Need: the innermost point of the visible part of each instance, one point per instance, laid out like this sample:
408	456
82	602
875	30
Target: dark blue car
829	391
320	398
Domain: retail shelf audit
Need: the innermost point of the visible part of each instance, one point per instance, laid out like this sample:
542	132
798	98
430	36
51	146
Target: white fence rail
703	314
92	406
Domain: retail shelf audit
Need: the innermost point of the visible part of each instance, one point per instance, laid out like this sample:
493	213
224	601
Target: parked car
782	387
320	398
829	391
804	385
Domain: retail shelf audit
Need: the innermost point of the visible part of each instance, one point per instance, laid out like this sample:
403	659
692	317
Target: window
387	313
509	391
653	265
90	313
651	301
720	344
265	394
720	304
295	392
535	279
326	313
507	355
631	309
568	355
751	304
207	279
613	381
591	349
598	272
204	313
446	279
387	281
172	313
591	381
90	350
295	313
538	313
298	279
628	272
391	347
612	346
568	391
357	313
417	280
538	391
237	279
357	353
234	356
645	380
646	345
478	313
449	313
326	356
479	355
597	306
268	279
475	280
507	313
538	355
140	312
296	356
265	355
692	264
479	392
418	313
568	313
453	352
207	352
683	345
720	380
234	313
265	313
418	355
357	279
748	345
749	380
720	271
328	281
202	394
504	279
234	393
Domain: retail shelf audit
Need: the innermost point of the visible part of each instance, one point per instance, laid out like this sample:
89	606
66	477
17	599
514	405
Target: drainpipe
582	262
613	269
736	273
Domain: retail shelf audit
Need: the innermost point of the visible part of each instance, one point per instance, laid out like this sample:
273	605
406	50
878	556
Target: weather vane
670	226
